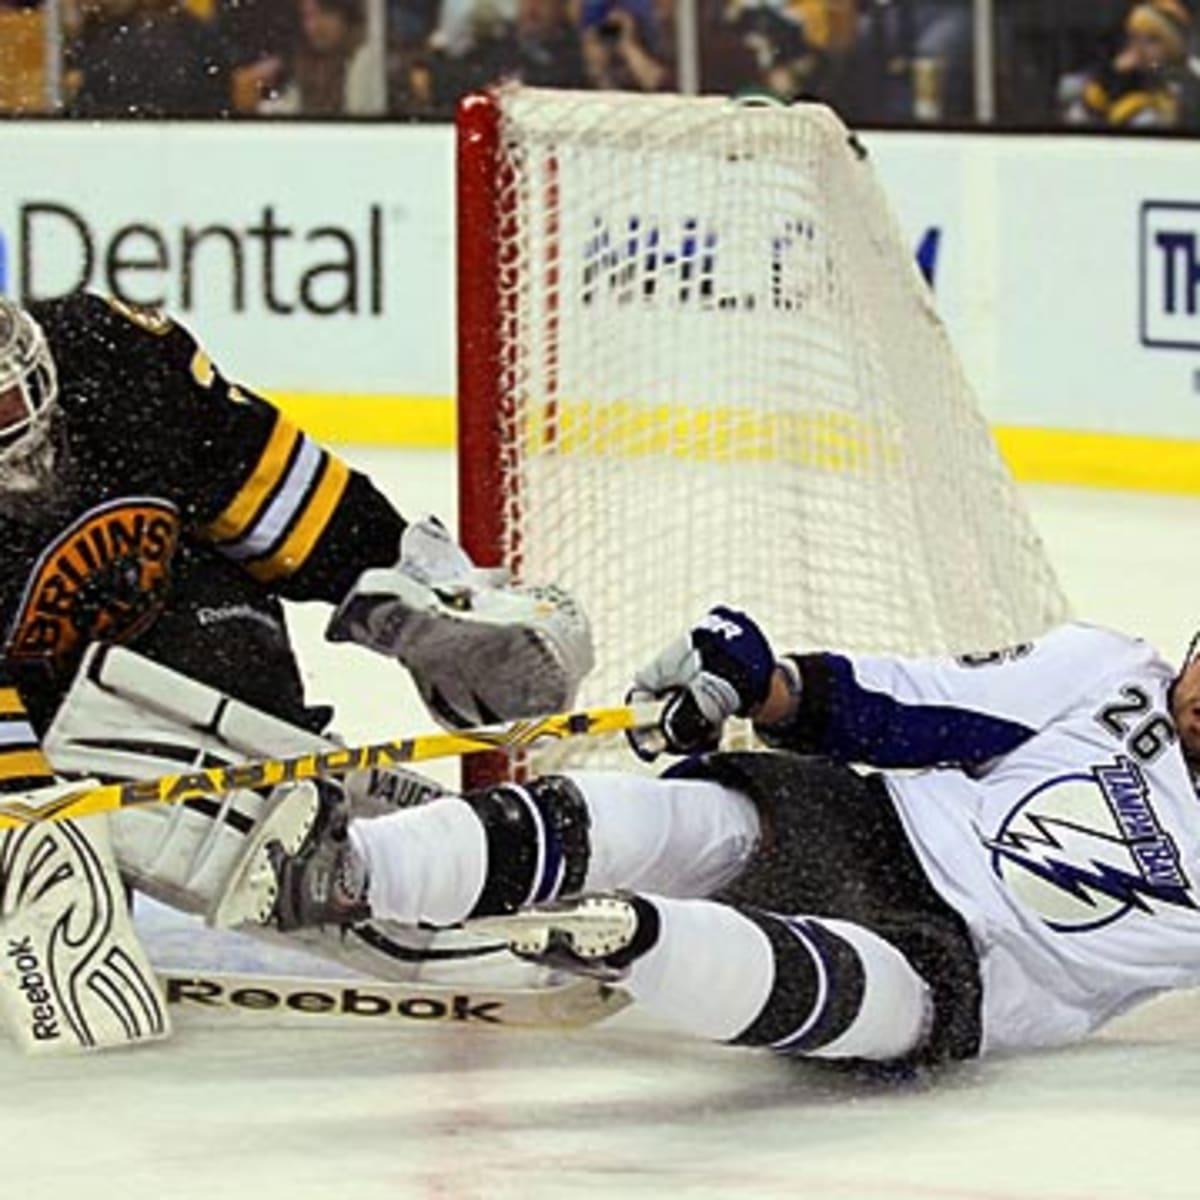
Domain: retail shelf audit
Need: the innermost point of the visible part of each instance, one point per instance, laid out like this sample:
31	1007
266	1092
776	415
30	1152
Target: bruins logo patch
104	579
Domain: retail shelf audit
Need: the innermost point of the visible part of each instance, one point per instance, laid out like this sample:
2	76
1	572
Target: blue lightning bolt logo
1103	850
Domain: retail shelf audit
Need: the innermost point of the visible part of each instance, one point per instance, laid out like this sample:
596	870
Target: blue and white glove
721	668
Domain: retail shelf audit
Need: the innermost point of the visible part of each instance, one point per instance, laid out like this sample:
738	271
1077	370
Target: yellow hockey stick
213	781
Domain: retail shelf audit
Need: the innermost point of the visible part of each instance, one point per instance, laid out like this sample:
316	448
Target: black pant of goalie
834	847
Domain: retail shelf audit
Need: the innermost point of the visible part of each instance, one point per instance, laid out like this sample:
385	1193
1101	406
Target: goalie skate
319	883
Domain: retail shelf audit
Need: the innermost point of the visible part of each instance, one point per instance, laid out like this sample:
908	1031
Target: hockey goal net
698	364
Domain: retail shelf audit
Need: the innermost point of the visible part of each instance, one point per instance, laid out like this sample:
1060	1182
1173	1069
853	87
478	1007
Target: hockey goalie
153	517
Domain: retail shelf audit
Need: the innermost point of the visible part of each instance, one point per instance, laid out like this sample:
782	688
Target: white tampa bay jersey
1070	842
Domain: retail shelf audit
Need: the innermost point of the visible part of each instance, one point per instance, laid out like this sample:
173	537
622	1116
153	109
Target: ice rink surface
230	1109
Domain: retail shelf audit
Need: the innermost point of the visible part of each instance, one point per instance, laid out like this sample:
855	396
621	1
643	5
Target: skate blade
589	930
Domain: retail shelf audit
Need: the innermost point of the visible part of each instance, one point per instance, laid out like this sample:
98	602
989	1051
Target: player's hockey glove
720	669
479	649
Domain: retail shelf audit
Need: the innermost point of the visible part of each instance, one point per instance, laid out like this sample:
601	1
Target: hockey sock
798	985
423	864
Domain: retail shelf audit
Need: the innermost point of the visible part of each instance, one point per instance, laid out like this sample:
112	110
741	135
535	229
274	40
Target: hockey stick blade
372	1003
214	781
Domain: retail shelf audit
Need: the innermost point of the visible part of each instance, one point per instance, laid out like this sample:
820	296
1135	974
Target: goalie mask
28	388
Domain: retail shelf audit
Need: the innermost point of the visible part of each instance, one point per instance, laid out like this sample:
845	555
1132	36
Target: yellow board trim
1108	460
11	704
1104	460
245	506
294	552
416	422
23	764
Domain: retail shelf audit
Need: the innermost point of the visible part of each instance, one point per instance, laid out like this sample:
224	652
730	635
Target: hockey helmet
28	380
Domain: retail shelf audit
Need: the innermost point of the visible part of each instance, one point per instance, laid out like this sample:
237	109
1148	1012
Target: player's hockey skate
323	883
598	935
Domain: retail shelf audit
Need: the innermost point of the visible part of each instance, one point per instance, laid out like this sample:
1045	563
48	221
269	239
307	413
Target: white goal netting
721	378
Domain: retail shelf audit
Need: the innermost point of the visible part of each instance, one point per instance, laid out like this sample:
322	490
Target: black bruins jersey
183	503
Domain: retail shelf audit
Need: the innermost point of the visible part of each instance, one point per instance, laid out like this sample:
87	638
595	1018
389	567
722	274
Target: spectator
943	68
1149	84
410	26
621	46
260	37
467	26
549	50
143	58
1040	41
474	44
410	22
800	47
727	64
336	68
23	82
479	42
914	62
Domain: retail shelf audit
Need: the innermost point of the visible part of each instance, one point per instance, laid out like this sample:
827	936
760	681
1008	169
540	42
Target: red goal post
481	396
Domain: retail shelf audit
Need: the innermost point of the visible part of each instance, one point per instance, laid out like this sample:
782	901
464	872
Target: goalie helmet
28	388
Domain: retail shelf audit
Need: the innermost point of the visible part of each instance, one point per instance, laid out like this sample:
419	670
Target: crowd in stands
1123	64
1148	80
207	58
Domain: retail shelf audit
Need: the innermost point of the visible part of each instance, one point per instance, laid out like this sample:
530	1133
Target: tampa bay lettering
265	262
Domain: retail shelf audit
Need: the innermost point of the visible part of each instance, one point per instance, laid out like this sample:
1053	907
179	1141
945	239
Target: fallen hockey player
1028	881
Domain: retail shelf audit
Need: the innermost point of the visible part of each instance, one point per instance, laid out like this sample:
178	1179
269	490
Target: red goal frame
481	398
482	311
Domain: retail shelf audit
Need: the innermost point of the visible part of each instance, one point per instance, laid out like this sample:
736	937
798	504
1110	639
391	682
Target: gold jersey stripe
23	763
11	704
245	506
308	526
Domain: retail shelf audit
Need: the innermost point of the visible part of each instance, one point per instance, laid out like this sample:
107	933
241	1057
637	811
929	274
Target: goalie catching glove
481	651
720	668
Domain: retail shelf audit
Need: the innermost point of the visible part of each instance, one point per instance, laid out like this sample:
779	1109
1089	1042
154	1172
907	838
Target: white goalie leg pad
73	975
128	718
210	857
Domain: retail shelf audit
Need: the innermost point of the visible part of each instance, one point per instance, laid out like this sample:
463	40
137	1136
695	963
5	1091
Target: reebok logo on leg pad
72	973
44	1025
